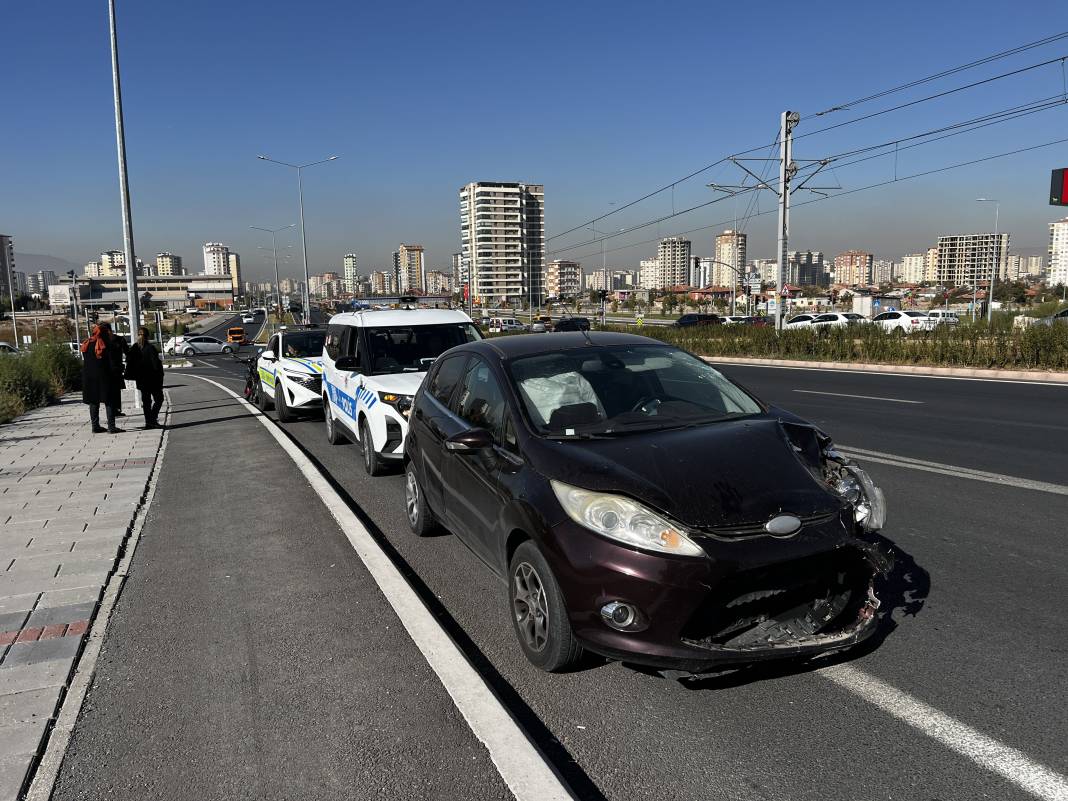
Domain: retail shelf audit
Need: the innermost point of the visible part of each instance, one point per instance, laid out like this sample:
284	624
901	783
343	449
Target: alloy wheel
530	606
411	498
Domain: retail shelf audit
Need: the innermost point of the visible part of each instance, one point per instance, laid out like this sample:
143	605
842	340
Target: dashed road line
527	773
846	395
995	756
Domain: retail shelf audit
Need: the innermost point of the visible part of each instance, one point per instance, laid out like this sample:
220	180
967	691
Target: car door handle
419	413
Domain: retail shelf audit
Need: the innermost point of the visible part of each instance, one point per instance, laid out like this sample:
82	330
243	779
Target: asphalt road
974	630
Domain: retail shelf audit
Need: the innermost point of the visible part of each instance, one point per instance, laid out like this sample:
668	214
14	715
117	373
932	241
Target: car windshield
916	314
413	348
303	344
612	390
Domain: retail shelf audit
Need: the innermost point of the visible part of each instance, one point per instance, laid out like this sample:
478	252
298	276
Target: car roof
511	347
375	318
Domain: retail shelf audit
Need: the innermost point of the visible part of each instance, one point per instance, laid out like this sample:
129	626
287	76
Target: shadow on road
191	423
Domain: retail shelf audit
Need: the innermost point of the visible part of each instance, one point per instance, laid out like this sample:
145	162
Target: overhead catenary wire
877	185
842	106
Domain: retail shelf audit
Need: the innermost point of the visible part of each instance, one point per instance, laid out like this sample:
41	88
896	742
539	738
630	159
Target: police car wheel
371	462
333	436
284	415
263	401
420	518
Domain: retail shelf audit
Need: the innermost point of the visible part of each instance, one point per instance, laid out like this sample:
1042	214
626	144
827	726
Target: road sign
877	303
639	321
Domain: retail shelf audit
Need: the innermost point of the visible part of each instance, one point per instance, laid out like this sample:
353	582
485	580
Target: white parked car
800	321
734	319
904	322
194	345
837	319
374	361
291	372
944	317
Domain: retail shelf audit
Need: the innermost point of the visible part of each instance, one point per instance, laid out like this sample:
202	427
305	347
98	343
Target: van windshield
413	348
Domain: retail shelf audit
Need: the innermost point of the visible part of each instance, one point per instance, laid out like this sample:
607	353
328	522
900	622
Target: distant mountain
35	262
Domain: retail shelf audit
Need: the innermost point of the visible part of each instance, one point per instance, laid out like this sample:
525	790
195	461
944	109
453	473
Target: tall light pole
124	186
274	251
305	298
997	257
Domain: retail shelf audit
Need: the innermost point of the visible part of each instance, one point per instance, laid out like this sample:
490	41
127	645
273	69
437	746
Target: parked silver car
191	346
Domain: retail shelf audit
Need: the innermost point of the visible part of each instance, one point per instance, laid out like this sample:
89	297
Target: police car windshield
303	344
413	348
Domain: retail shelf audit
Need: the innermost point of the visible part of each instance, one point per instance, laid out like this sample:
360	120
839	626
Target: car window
445	377
480	401
826	318
333	341
916	314
272	346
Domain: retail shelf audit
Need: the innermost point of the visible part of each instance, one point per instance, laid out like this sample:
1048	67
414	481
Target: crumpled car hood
723	474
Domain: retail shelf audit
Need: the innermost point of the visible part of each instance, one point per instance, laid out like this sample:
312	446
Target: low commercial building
172	291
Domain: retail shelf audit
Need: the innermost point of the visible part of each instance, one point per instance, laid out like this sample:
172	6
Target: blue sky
601	102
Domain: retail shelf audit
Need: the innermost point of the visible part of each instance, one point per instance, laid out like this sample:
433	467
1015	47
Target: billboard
1058	188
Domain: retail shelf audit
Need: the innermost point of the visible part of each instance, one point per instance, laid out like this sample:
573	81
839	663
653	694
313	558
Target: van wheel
333	436
284	415
372	463
263	400
539	615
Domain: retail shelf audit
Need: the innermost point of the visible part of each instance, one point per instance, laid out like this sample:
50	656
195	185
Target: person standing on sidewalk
118	348
100	382
143	365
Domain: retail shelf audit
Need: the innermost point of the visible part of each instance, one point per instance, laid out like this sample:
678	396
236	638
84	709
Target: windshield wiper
582	435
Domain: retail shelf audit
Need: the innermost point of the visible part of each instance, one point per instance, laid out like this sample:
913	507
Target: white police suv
373	363
291	372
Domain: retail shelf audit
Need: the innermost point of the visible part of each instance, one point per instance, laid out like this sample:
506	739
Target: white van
943	316
499	324
373	363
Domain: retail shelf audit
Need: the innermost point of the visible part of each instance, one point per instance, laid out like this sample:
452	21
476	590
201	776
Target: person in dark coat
100	382
118	348
143	365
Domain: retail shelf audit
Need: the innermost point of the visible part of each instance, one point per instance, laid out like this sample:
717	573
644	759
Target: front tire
372	462
539	614
333	436
420	518
284	415
228	350
188	352
263	402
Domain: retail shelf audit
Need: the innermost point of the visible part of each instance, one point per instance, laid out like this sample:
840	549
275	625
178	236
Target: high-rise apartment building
930	265
348	269
967	259
767	269
1034	267
233	265
93	269
502	240
169	264
112	263
1058	253
673	258
563	278
730	253
459	274
853	268
382	283
804	268
7	263
216	259
1014	267
409	267
438	282
882	272
912	268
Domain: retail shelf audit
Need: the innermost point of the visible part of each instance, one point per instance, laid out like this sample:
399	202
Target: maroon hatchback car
641	505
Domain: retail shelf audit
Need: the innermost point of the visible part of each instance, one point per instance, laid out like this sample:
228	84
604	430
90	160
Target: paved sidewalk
68	498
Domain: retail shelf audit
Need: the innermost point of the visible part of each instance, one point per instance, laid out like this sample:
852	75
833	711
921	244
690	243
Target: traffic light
1058	188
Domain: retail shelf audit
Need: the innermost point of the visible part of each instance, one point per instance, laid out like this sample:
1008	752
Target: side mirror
348	363
470	441
268	355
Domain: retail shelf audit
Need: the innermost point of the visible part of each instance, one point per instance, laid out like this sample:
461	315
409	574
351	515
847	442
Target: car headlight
402	403
623	520
856	487
312	382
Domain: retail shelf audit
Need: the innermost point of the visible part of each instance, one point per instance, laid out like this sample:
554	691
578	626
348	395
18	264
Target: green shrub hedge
37	378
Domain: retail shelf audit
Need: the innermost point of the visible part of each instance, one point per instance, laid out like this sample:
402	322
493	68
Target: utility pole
787	169
124	186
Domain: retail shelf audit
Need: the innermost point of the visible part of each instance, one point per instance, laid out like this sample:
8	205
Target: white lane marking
526	772
203	363
952	470
846	395
1063	385
985	751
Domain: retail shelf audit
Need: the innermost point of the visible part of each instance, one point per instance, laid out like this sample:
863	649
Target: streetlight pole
997	256
124	185
305	297
274	250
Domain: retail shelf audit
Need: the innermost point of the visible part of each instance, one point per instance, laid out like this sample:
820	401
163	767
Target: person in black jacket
100	382
143	365
118	348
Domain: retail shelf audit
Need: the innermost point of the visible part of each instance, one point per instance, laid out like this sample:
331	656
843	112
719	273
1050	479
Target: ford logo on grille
782	525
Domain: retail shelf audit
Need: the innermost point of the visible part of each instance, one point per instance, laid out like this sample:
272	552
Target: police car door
348	381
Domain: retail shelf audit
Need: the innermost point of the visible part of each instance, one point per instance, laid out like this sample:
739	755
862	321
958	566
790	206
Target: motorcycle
252	378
